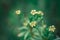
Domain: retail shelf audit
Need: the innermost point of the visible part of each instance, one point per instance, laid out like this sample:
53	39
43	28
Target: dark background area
51	9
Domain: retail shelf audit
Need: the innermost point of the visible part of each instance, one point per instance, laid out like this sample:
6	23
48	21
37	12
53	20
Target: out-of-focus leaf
32	38
21	28
26	34
35	31
21	34
38	37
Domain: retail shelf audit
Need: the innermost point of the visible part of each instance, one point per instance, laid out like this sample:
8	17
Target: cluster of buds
25	24
33	12
32	24
52	28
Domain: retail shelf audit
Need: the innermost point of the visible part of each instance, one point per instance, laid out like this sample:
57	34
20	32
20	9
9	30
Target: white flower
33	12
18	11
33	23
40	12
52	28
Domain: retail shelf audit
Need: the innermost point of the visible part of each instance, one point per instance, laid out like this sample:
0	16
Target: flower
25	23
33	12
18	11
40	12
52	28
33	23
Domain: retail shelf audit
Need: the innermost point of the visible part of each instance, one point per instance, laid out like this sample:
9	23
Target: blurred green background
51	9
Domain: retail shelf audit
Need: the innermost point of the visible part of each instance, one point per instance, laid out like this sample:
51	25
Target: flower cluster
52	28
33	12
34	25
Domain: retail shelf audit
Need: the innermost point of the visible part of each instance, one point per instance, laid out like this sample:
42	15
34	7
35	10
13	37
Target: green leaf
22	28
32	38
21	34
26	34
